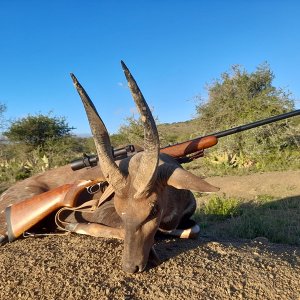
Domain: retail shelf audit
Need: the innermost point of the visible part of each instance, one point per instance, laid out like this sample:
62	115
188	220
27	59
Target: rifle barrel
256	124
194	145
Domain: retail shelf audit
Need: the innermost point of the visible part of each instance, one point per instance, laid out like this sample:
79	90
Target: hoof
190	233
194	231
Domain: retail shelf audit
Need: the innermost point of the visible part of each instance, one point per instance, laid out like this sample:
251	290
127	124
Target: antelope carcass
151	191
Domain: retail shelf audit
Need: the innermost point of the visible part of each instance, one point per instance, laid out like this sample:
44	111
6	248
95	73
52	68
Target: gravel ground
82	267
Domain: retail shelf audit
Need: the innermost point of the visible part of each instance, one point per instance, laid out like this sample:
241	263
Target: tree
2	110
37	130
132	132
241	97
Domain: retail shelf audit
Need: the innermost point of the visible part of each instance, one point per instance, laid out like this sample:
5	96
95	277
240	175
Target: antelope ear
182	179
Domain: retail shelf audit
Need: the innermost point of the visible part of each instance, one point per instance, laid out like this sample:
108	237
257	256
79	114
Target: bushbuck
151	191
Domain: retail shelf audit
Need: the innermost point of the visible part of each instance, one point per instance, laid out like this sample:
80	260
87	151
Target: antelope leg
97	230
189	233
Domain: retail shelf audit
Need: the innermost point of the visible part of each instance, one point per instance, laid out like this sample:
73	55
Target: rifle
186	151
40	206
65	196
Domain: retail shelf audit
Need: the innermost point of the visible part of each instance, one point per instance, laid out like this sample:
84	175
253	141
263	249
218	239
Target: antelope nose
131	268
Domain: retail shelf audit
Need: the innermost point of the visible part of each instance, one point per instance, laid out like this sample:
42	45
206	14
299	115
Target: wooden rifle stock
189	147
27	213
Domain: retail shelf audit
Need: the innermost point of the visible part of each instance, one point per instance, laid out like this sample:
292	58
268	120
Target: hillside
180	131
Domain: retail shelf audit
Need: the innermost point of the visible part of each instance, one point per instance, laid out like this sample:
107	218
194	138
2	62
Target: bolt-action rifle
65	196
186	151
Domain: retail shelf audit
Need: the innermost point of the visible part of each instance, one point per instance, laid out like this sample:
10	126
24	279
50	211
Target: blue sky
172	47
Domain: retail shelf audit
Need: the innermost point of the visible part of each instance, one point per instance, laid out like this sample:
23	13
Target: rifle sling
89	207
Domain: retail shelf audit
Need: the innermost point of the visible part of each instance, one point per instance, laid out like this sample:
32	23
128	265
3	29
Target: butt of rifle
10	232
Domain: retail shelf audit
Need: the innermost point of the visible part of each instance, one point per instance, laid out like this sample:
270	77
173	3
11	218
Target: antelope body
151	191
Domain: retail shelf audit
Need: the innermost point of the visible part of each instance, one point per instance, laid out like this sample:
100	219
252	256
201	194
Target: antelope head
139	182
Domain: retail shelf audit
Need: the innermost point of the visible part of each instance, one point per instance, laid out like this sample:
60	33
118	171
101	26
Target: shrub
37	130
238	98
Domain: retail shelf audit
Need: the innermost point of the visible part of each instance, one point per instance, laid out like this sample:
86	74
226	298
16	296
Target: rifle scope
92	160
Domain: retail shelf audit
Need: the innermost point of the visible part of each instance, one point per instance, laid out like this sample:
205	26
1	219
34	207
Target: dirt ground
276	184
82	267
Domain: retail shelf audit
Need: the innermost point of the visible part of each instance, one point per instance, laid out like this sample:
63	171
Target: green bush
19	161
216	163
221	207
37	130
238	98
